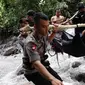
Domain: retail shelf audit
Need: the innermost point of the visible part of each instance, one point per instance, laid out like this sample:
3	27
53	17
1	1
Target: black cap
81	5
30	12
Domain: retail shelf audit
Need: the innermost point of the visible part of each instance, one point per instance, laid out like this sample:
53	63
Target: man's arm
44	72
55	30
51	37
83	33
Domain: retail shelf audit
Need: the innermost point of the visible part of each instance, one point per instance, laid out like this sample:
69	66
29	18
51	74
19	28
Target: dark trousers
37	78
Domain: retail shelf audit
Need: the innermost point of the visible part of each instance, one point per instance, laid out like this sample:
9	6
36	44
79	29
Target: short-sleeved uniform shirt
21	40
34	49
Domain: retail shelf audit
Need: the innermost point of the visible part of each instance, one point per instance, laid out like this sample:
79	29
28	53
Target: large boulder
10	50
77	71
76	64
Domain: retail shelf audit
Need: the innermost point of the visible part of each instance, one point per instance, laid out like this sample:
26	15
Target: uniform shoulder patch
34	46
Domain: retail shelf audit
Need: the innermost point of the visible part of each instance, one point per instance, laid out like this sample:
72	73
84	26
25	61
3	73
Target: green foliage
72	5
12	10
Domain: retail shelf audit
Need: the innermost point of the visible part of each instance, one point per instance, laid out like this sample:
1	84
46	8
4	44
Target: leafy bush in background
12	10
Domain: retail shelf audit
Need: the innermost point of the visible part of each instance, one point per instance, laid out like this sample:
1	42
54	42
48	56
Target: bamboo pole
63	27
70	18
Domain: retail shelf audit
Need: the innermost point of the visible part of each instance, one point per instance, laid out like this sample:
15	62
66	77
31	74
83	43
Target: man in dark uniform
30	16
24	32
36	67
79	18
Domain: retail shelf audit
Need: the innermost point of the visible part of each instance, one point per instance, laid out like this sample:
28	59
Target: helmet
30	12
81	5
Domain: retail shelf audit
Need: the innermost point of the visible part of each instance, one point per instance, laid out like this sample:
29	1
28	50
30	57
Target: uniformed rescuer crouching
36	67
